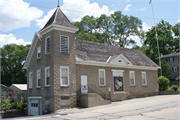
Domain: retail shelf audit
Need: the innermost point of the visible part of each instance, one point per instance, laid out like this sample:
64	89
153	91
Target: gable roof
98	52
60	19
20	86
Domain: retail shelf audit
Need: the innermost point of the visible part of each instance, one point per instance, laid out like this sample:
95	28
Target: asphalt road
162	107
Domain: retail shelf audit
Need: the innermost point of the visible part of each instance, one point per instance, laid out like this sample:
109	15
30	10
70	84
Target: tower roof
60	19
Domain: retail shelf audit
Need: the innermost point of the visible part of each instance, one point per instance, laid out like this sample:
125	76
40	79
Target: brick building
61	70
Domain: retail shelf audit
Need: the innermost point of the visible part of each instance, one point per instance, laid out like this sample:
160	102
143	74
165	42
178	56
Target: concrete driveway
162	107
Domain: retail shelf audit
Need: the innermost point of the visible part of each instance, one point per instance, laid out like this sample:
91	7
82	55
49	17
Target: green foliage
163	83
5	103
170	89
178	78
12	59
109	29
174	87
19	106
13	105
167	44
166	70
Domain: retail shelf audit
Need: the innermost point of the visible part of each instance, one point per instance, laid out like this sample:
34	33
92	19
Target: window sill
38	58
144	85
102	85
47	86
38	87
120	92
47	53
64	86
132	85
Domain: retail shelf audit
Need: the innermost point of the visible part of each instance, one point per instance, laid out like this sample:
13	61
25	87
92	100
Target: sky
20	19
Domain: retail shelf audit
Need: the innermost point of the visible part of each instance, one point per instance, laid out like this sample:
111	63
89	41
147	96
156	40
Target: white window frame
46	68
37	52
145	78
60	42
170	59
67	67
30	79
104	77
46	45
175	69
37	77
133	77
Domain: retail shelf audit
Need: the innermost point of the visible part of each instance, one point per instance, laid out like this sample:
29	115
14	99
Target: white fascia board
36	97
57	27
115	65
121	55
31	51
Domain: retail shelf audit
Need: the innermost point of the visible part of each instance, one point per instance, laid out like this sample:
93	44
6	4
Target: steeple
59	18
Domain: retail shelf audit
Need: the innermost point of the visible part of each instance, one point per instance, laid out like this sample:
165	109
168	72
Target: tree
166	70
176	42
116	29
163	83
165	39
12	59
125	27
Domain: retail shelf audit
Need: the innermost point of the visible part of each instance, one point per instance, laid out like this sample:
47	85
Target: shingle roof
98	52
60	19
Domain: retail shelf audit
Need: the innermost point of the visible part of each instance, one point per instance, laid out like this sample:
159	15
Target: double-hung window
64	44
38	52
132	78
64	75
144	81
38	78
47	76
30	79
102	78
47	45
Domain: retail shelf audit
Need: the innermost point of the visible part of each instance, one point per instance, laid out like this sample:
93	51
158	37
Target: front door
34	109
84	87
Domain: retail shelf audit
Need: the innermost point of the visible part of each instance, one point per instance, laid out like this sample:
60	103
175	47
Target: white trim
67	67
46	45
37	78
57	27
46	68
40	52
133	77
30	79
38	97
145	78
115	65
104	77
67	41
108	59
121	55
29	56
117	70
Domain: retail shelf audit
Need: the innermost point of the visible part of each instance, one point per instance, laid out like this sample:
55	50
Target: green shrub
5	103
19	106
178	78
163	83
174	87
13	105
170	89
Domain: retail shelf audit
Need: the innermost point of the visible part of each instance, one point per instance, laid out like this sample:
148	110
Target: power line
80	11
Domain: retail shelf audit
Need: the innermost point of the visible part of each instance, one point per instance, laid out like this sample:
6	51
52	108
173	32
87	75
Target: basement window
65	99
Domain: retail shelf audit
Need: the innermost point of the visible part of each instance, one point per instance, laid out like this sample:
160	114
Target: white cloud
43	21
127	7
77	9
128	0
16	14
8	39
142	9
145	27
178	20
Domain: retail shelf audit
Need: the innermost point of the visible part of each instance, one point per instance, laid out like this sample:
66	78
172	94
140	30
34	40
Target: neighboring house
60	69
4	92
173	61
20	89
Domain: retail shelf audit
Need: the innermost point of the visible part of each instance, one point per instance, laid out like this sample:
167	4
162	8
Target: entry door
84	87
34	107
